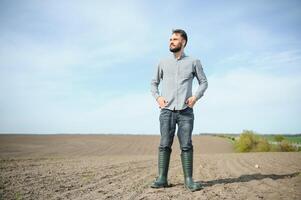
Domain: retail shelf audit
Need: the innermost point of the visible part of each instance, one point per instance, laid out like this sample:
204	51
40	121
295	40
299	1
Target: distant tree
278	138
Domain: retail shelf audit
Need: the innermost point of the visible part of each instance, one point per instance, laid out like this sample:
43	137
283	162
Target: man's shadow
247	178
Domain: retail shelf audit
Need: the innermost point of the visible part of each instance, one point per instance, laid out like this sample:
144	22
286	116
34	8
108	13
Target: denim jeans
168	120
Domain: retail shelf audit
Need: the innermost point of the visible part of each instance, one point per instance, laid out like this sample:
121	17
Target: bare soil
124	166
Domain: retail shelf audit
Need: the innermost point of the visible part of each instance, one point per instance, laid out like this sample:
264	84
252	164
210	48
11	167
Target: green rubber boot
187	164
163	164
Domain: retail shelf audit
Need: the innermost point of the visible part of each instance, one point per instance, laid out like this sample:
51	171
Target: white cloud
127	114
240	99
130	113
49	52
264	60
94	35
247	99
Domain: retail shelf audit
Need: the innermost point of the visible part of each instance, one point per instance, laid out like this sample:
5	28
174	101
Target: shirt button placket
177	74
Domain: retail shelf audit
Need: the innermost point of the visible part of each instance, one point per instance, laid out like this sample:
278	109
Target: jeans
168	120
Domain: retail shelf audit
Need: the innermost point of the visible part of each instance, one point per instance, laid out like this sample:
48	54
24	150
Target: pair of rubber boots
187	165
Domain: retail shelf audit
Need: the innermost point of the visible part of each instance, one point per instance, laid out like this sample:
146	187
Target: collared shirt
176	76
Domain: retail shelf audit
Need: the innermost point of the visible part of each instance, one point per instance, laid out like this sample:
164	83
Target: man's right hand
162	102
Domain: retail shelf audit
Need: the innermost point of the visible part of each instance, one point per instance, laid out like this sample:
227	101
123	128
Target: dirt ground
123	167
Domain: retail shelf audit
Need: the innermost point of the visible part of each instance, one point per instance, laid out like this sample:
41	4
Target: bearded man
176	102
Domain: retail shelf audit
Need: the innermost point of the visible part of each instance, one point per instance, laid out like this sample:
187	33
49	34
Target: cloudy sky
86	66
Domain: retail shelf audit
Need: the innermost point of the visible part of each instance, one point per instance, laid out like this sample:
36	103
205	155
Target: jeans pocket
189	109
188	113
164	114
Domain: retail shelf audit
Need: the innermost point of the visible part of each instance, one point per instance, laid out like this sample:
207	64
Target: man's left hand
191	101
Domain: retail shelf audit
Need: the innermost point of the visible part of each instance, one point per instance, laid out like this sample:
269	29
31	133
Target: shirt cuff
198	96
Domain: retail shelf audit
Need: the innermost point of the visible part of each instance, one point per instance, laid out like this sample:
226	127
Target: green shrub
284	145
263	145
245	142
249	141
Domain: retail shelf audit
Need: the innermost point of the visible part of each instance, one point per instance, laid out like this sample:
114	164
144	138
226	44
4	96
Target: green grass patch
290	138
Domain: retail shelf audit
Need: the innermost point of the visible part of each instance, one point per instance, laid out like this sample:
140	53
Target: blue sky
86	66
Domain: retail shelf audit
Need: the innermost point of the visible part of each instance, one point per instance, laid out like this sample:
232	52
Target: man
176	103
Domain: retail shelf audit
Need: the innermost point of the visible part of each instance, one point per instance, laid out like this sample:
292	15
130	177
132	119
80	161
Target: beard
175	49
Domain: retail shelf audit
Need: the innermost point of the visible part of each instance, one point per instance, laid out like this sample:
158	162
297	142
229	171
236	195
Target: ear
184	43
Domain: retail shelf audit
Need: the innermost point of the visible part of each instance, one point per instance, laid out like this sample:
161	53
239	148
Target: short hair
182	34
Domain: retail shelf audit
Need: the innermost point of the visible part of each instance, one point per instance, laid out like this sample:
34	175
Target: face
176	42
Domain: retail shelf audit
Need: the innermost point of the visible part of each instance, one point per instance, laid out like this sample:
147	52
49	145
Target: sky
86	66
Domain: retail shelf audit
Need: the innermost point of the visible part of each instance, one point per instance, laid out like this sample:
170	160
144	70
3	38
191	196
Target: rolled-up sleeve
156	81
202	79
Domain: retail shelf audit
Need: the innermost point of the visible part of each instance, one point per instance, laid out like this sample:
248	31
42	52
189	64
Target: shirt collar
181	57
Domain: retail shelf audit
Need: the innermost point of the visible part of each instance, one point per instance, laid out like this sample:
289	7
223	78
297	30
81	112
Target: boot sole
160	186
192	190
